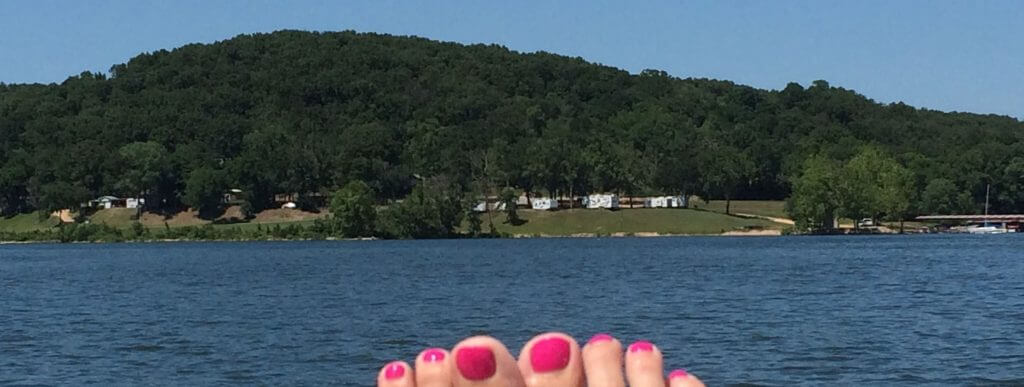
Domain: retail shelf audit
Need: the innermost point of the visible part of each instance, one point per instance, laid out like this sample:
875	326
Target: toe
395	374
482	361
433	368
602	362
551	360
681	378
643	365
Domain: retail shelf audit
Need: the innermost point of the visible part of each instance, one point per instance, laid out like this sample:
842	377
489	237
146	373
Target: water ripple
929	310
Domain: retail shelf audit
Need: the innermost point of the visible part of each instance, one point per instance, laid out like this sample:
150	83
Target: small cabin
544	204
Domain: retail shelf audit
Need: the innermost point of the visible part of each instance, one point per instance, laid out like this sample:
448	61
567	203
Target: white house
545	204
107	202
609	201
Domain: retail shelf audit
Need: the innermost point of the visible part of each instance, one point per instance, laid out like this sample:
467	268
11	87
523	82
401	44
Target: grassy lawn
663	221
563	222
115	217
772	208
26	222
122	218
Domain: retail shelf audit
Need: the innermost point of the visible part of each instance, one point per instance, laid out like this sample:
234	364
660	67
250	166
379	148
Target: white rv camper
677	201
655	202
544	204
608	201
665	202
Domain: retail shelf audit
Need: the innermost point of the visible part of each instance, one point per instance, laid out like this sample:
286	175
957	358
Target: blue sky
945	55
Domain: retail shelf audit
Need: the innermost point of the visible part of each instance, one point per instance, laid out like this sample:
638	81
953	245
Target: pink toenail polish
641	346
394	371
475	363
550	354
599	338
680	373
433	355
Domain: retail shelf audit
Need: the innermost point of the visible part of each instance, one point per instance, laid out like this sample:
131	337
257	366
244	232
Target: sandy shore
753	233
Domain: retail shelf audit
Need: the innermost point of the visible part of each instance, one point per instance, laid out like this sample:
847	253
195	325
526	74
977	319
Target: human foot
547	360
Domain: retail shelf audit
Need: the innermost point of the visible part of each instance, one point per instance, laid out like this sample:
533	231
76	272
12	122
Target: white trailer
655	202
608	201
544	204
665	202
676	202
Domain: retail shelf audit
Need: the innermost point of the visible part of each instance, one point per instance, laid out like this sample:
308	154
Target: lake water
888	310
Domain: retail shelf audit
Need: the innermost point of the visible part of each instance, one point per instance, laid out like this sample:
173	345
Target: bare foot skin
547	360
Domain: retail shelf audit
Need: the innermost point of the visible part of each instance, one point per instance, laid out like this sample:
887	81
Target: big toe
482	361
551	360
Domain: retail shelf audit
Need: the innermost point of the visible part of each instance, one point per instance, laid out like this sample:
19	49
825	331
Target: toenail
475	363
550	354
599	338
433	355
680	373
394	371
641	346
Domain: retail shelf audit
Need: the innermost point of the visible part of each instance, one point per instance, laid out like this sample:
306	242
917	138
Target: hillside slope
295	111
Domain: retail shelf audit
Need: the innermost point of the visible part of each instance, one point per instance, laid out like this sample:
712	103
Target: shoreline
751	233
744	234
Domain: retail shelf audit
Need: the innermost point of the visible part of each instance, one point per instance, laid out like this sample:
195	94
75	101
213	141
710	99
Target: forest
306	113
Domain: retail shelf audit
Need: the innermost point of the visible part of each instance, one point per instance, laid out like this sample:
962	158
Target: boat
986	227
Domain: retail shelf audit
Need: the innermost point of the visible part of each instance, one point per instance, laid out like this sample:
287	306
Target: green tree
145	164
204	191
59	195
474	223
1011	193
816	198
262	166
13	189
896	189
940	197
860	185
352	209
510	198
434	209
723	170
677	169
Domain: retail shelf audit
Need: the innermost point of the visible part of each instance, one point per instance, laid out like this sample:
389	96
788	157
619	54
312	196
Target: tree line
309	113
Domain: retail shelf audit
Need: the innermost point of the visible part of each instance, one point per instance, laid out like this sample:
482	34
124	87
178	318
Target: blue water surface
878	310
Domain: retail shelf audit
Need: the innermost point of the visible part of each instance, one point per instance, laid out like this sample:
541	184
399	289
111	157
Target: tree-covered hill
304	112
